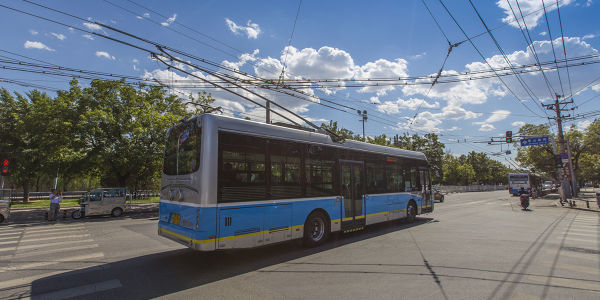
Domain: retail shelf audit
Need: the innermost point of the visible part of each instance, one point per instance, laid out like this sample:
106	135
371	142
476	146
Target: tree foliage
111	130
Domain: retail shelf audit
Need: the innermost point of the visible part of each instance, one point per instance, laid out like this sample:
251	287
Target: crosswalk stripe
11	233
45	252
56	238
35	246
583	230
58	232
589	234
28	280
9	242
48	263
576	268
580	255
564	282
10	238
578	240
38	230
81	290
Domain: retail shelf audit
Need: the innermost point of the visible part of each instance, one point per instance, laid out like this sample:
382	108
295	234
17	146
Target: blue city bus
232	183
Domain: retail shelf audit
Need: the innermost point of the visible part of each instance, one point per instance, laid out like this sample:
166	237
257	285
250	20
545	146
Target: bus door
352	181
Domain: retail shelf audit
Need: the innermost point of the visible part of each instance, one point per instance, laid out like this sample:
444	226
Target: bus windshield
182	151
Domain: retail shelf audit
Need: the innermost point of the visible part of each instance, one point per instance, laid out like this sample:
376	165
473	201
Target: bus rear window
182	152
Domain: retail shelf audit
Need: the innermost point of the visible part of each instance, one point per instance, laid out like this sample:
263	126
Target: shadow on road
164	273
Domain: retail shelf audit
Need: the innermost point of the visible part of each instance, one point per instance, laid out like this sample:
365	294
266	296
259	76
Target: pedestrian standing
55	205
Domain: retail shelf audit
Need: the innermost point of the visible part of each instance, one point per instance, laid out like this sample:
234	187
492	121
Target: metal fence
470	188
18	196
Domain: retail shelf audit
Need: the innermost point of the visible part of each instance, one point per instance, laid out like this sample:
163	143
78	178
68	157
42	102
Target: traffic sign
535	141
564	156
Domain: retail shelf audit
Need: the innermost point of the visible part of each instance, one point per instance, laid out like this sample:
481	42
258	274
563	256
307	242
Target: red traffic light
5	163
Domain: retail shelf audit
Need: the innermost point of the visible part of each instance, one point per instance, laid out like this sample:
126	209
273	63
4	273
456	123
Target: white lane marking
11	233
81	290
579	255
578	240
40	246
48	263
54	228
8	249
19	282
575	268
54	231
10	238
589	234
56	238
45	252
583	230
9	242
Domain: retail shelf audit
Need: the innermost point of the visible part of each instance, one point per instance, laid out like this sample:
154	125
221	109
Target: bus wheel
316	229
411	212
117	212
76	214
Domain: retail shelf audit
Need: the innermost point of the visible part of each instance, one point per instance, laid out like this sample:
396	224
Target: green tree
344	133
430	145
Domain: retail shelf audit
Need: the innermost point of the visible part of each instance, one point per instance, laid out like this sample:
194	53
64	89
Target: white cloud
147	15
393	107
428	121
487	127
92	26
532	10
104	54
596	87
518	124
588	36
588	3
583	125
37	45
33	32
498	115
59	36
169	20
88	36
543	33
382	68
252	30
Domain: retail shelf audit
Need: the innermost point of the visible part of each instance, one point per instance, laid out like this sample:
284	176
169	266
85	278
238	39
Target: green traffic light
508	140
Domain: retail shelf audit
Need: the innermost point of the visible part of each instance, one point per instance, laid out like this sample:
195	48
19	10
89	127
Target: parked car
438	195
4	205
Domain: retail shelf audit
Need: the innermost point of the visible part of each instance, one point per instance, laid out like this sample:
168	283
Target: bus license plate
175	219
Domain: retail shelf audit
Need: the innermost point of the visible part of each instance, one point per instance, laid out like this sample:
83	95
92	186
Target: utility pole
268	108
556	106
363	114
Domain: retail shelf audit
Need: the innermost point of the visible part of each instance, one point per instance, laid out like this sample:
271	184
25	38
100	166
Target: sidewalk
582	201
25	215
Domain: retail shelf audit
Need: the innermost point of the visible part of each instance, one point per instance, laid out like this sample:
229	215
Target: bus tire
117	212
411	212
316	229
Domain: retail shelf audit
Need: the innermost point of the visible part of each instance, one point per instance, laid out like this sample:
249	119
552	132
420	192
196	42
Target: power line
552	44
483	57
563	45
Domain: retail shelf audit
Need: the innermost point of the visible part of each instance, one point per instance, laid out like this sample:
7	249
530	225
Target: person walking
55	200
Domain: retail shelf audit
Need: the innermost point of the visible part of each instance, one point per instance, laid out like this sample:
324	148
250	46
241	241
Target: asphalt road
474	246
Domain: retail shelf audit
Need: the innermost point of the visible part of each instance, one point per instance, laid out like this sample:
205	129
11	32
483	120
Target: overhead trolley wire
563	45
552	44
530	45
483	57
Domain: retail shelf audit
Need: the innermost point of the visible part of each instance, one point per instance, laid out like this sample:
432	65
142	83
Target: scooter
524	201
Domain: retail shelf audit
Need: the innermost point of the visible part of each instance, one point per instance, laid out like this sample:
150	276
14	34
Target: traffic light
5	163
558	161
509	136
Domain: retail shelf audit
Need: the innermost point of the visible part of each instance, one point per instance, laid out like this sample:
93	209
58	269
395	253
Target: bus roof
284	133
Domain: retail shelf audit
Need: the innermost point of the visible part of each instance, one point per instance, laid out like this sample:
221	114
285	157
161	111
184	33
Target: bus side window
241	168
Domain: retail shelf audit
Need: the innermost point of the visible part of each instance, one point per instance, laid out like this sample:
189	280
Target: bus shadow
159	274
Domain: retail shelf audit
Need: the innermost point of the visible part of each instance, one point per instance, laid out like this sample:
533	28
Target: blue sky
336	40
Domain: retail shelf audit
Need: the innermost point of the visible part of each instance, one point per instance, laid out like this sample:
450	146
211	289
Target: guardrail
470	188
18	196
